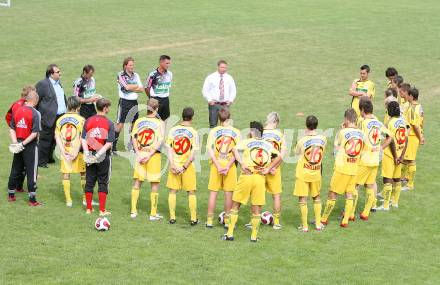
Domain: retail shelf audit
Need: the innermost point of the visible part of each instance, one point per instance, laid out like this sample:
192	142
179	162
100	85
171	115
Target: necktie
222	89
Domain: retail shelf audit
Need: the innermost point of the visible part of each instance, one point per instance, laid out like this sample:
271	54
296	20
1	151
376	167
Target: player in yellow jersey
223	171
391	74
68	138
362	87
415	119
349	143
310	149
393	156
273	135
396	84
256	161
182	143
373	131
404	108
147	137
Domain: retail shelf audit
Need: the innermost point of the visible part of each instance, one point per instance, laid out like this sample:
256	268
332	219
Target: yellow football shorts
366	175
389	169
250	186
342	183
149	171
411	149
75	166
222	182
185	181
305	189
273	182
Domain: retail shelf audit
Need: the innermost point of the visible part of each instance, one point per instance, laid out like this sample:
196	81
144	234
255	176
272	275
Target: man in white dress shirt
219	90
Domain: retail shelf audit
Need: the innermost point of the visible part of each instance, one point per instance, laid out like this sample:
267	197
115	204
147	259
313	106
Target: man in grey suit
52	105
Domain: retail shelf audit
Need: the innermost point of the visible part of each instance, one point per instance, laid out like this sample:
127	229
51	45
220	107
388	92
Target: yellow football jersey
69	128
257	153
415	117
310	149
349	144
275	137
148	133
222	140
397	128
362	86
182	140
373	131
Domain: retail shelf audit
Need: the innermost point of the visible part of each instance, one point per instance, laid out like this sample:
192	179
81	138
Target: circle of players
360	144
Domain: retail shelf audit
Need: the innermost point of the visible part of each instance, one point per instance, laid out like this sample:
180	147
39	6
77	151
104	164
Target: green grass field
286	56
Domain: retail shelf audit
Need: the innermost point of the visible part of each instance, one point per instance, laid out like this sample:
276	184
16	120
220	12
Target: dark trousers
46	145
27	160
213	114
100	172
164	107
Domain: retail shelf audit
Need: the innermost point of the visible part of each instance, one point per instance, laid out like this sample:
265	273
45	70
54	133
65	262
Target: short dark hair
126	61
414	92
391	71
391	92
187	114
163	57
257	127
221	61
87	68
393	109
73	103
365	67
311	122
102	103
350	115
366	105
223	114
49	69
398	80
405	87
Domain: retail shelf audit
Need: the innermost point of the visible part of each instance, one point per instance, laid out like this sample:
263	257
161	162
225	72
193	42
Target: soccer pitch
285	56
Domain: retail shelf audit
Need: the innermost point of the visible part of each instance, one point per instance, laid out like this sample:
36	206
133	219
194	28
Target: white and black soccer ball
102	224
267	218
221	218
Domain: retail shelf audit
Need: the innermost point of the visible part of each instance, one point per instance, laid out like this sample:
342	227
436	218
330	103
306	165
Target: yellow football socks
387	189
134	199
304	212
233	220
192	203
411	174
355	202
348	208
317	210
154	198
172	205
369	200
83	186
276	218
66	188
255	225
396	193
210	219
330	204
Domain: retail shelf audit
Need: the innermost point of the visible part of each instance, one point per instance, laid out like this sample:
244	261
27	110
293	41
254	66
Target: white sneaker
379	196
156	218
303	229
395	205
94	203
69	204
277	227
133	215
382	208
404	188
248	226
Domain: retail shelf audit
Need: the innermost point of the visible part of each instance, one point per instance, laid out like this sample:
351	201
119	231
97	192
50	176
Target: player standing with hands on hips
219	90
158	86
25	127
97	138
